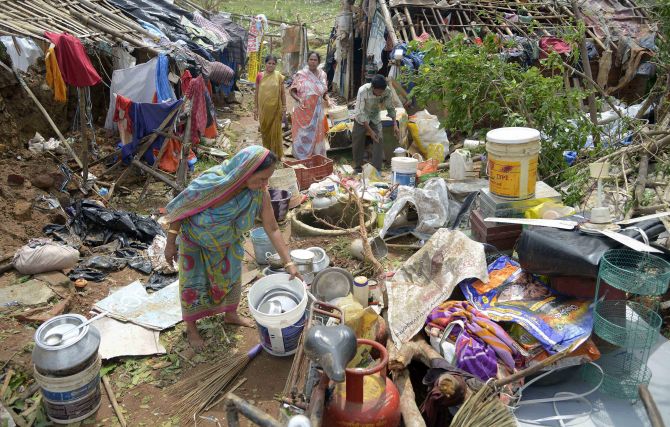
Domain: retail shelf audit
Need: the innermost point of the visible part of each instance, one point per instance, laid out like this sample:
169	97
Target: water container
279	330
403	172
460	164
512	162
262	245
361	290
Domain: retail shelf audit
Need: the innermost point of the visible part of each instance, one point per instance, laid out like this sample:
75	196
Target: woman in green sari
210	217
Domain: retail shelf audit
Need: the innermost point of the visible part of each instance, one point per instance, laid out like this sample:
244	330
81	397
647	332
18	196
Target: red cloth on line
195	88
74	63
123	103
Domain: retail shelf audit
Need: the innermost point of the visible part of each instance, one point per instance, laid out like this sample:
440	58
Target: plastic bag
549	210
425	130
43	255
104	262
90	274
514	295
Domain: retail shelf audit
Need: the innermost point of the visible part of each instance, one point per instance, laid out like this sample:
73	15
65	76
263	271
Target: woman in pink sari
310	91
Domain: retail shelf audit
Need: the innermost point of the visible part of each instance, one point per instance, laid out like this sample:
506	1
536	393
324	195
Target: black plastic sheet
158	281
165	16
135	260
90	274
105	262
553	252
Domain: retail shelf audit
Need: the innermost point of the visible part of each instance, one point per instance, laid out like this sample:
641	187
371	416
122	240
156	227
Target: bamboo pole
185	150
120	36
410	23
83	133
401	23
157	175
118	19
389	22
593	109
112	400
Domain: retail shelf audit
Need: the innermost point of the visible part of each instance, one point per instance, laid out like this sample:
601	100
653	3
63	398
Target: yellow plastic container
512	162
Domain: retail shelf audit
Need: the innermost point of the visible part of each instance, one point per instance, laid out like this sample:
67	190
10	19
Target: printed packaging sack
514	295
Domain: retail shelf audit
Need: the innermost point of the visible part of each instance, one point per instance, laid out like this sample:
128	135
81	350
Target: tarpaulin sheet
165	16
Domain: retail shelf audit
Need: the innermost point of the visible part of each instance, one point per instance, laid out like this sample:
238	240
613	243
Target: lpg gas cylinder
366	398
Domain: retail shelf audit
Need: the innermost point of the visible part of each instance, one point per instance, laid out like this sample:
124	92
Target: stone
42	181
54	278
32	292
23	210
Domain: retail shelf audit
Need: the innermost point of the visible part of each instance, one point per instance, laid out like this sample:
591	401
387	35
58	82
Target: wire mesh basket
635	272
626	324
624	371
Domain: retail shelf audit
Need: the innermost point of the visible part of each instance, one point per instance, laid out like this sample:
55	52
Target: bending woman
270	105
310	91
210	217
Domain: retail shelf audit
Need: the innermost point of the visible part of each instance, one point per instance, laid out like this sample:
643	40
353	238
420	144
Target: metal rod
236	405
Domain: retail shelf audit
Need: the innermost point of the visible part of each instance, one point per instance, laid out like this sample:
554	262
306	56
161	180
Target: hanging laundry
219	73
553	44
217	34
136	83
195	89
164	91
23	51
122	112
54	77
74	63
146	119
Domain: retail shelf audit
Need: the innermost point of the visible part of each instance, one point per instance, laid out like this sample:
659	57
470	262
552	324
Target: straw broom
203	388
484	408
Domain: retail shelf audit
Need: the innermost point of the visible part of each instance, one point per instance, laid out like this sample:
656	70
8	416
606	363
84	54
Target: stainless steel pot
78	350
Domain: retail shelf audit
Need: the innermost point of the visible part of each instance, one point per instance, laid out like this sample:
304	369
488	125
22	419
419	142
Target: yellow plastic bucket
512	162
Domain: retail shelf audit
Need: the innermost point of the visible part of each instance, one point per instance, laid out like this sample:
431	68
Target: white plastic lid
513	135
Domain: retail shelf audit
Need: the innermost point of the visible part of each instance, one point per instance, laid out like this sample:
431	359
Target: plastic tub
280	200
403	171
262	245
512	162
279	333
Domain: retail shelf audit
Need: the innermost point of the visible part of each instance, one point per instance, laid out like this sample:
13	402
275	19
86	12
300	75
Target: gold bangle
175	232
289	264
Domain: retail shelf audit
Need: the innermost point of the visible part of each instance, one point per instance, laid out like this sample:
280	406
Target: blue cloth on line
163	89
146	119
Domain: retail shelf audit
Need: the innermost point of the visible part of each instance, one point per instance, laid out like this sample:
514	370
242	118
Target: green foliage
479	89
660	10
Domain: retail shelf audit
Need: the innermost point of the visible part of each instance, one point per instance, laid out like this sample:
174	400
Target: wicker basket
310	170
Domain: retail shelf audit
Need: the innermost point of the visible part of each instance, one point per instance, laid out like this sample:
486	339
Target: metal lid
513	135
331	283
319	253
302	256
60	325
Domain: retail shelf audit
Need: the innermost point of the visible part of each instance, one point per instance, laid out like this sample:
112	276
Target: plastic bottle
361	290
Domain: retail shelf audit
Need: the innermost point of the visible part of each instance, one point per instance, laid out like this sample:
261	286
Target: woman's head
270	63
313	60
261	177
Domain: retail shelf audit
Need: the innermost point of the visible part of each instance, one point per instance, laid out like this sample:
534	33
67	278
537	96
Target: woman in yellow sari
270	105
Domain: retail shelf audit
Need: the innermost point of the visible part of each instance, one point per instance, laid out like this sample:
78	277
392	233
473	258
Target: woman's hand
293	271
171	254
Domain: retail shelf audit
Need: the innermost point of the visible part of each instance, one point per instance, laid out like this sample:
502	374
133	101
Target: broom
484	408
205	386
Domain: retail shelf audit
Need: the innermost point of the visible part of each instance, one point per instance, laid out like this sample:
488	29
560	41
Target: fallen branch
411	416
417	349
112	400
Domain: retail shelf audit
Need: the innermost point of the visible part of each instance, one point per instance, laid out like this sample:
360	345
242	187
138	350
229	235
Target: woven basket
315	169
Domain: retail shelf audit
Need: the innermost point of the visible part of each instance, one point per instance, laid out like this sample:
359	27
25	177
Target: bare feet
233	318
194	339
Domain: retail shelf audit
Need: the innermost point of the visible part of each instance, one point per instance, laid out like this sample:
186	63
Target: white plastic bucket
262	245
73	398
512	161
403	171
279	333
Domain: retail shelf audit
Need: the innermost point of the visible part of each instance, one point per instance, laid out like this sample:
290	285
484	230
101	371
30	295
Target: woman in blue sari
210	217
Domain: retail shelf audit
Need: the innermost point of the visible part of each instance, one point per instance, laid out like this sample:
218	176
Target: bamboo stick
411	24
83	134
117	18
441	25
593	110
185	150
112	400
157	175
114	33
401	23
389	22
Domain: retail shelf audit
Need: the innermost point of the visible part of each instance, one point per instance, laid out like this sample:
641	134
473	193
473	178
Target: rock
23	210
54	278
15	180
32	292
43	181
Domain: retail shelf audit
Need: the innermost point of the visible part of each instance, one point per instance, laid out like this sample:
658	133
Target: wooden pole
157	175
593	109
411	24
389	22
83	133
116	18
112	400
185	150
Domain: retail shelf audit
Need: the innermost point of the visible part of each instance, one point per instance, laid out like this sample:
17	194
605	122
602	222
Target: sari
270	111
211	237
308	130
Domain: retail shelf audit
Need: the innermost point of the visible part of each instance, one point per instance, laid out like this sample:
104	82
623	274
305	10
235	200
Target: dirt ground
144	386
